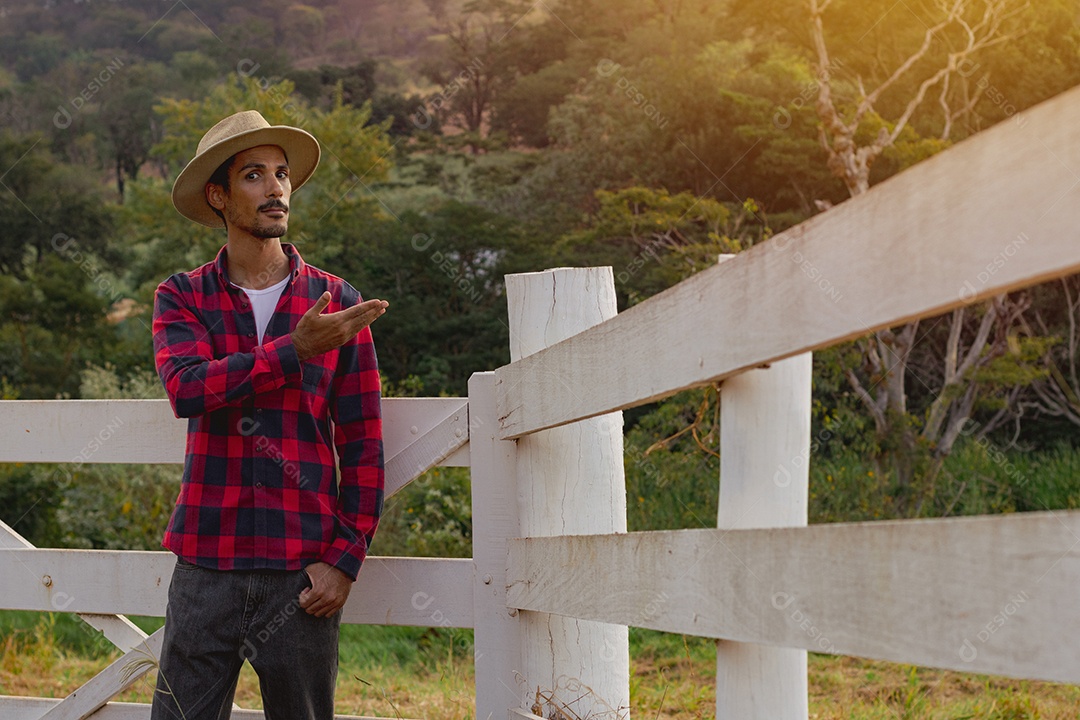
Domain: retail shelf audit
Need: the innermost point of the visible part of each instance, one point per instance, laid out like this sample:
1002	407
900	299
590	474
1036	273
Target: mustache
274	204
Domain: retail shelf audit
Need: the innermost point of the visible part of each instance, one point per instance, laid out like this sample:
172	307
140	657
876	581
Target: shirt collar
296	263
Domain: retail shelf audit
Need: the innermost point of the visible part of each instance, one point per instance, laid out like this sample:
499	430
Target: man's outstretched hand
317	333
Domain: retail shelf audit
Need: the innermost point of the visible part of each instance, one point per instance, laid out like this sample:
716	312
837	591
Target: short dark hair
221	177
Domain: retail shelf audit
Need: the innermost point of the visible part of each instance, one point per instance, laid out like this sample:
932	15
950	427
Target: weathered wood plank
32	708
764	482
137	583
428	450
991	595
121	674
569	481
497	638
145	431
117	629
406	419
996	212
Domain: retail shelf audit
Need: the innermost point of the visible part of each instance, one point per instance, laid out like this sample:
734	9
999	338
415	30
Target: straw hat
234	134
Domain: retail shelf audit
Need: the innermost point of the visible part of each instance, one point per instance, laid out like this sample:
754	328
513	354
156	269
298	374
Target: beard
259	227
267	232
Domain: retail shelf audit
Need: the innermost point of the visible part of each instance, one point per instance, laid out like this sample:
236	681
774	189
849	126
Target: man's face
259	188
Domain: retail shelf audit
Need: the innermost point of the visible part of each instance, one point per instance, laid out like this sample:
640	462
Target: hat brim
189	190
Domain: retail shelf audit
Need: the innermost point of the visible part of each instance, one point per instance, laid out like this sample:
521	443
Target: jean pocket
182	564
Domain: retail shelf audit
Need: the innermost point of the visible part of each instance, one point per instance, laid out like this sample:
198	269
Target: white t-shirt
263	303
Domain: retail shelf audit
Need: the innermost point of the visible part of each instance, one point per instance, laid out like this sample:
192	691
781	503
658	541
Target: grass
427	673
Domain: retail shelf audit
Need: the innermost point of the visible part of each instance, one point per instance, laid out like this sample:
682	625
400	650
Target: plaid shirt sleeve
194	380
356	411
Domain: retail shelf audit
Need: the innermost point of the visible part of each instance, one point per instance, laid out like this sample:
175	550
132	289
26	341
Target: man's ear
215	195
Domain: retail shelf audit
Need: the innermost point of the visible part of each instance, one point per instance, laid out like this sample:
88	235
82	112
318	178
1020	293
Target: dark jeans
216	620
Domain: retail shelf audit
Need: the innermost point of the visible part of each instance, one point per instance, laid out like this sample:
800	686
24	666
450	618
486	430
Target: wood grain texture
428	450
569	480
994	213
993	595
764	482
117	629
389	591
497	637
121	674
145	431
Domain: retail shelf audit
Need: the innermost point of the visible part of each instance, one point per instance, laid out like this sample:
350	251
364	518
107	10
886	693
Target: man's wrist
302	351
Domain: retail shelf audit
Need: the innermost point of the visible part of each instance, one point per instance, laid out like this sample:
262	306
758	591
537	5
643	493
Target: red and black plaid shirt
260	489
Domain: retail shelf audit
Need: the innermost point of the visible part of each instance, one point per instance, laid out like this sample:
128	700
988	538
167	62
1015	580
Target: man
271	361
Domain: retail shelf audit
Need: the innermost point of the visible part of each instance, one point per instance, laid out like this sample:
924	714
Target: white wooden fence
555	579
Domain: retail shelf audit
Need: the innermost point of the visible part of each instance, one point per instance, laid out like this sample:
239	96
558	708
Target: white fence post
764	481
570	482
497	644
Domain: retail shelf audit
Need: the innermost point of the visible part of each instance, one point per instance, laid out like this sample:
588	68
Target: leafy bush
430	517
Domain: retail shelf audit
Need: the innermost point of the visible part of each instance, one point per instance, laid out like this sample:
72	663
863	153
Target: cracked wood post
764	481
570	482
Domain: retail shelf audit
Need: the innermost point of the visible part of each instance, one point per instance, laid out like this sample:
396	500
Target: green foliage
430	517
28	501
1019	366
672	469
52	322
117	507
442	272
839	422
978	478
44	198
653	239
641	124
355	85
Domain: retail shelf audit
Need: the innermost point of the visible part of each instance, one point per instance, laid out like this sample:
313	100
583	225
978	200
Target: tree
712	120
355	84
442	271
304	28
1056	313
653	239
473	69
857	136
855	132
126	118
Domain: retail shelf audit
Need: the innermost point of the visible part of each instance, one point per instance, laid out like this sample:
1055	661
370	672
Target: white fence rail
103	586
995	213
554	580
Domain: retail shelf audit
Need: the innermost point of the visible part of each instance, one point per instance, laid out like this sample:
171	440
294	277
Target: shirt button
251	334
258	484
